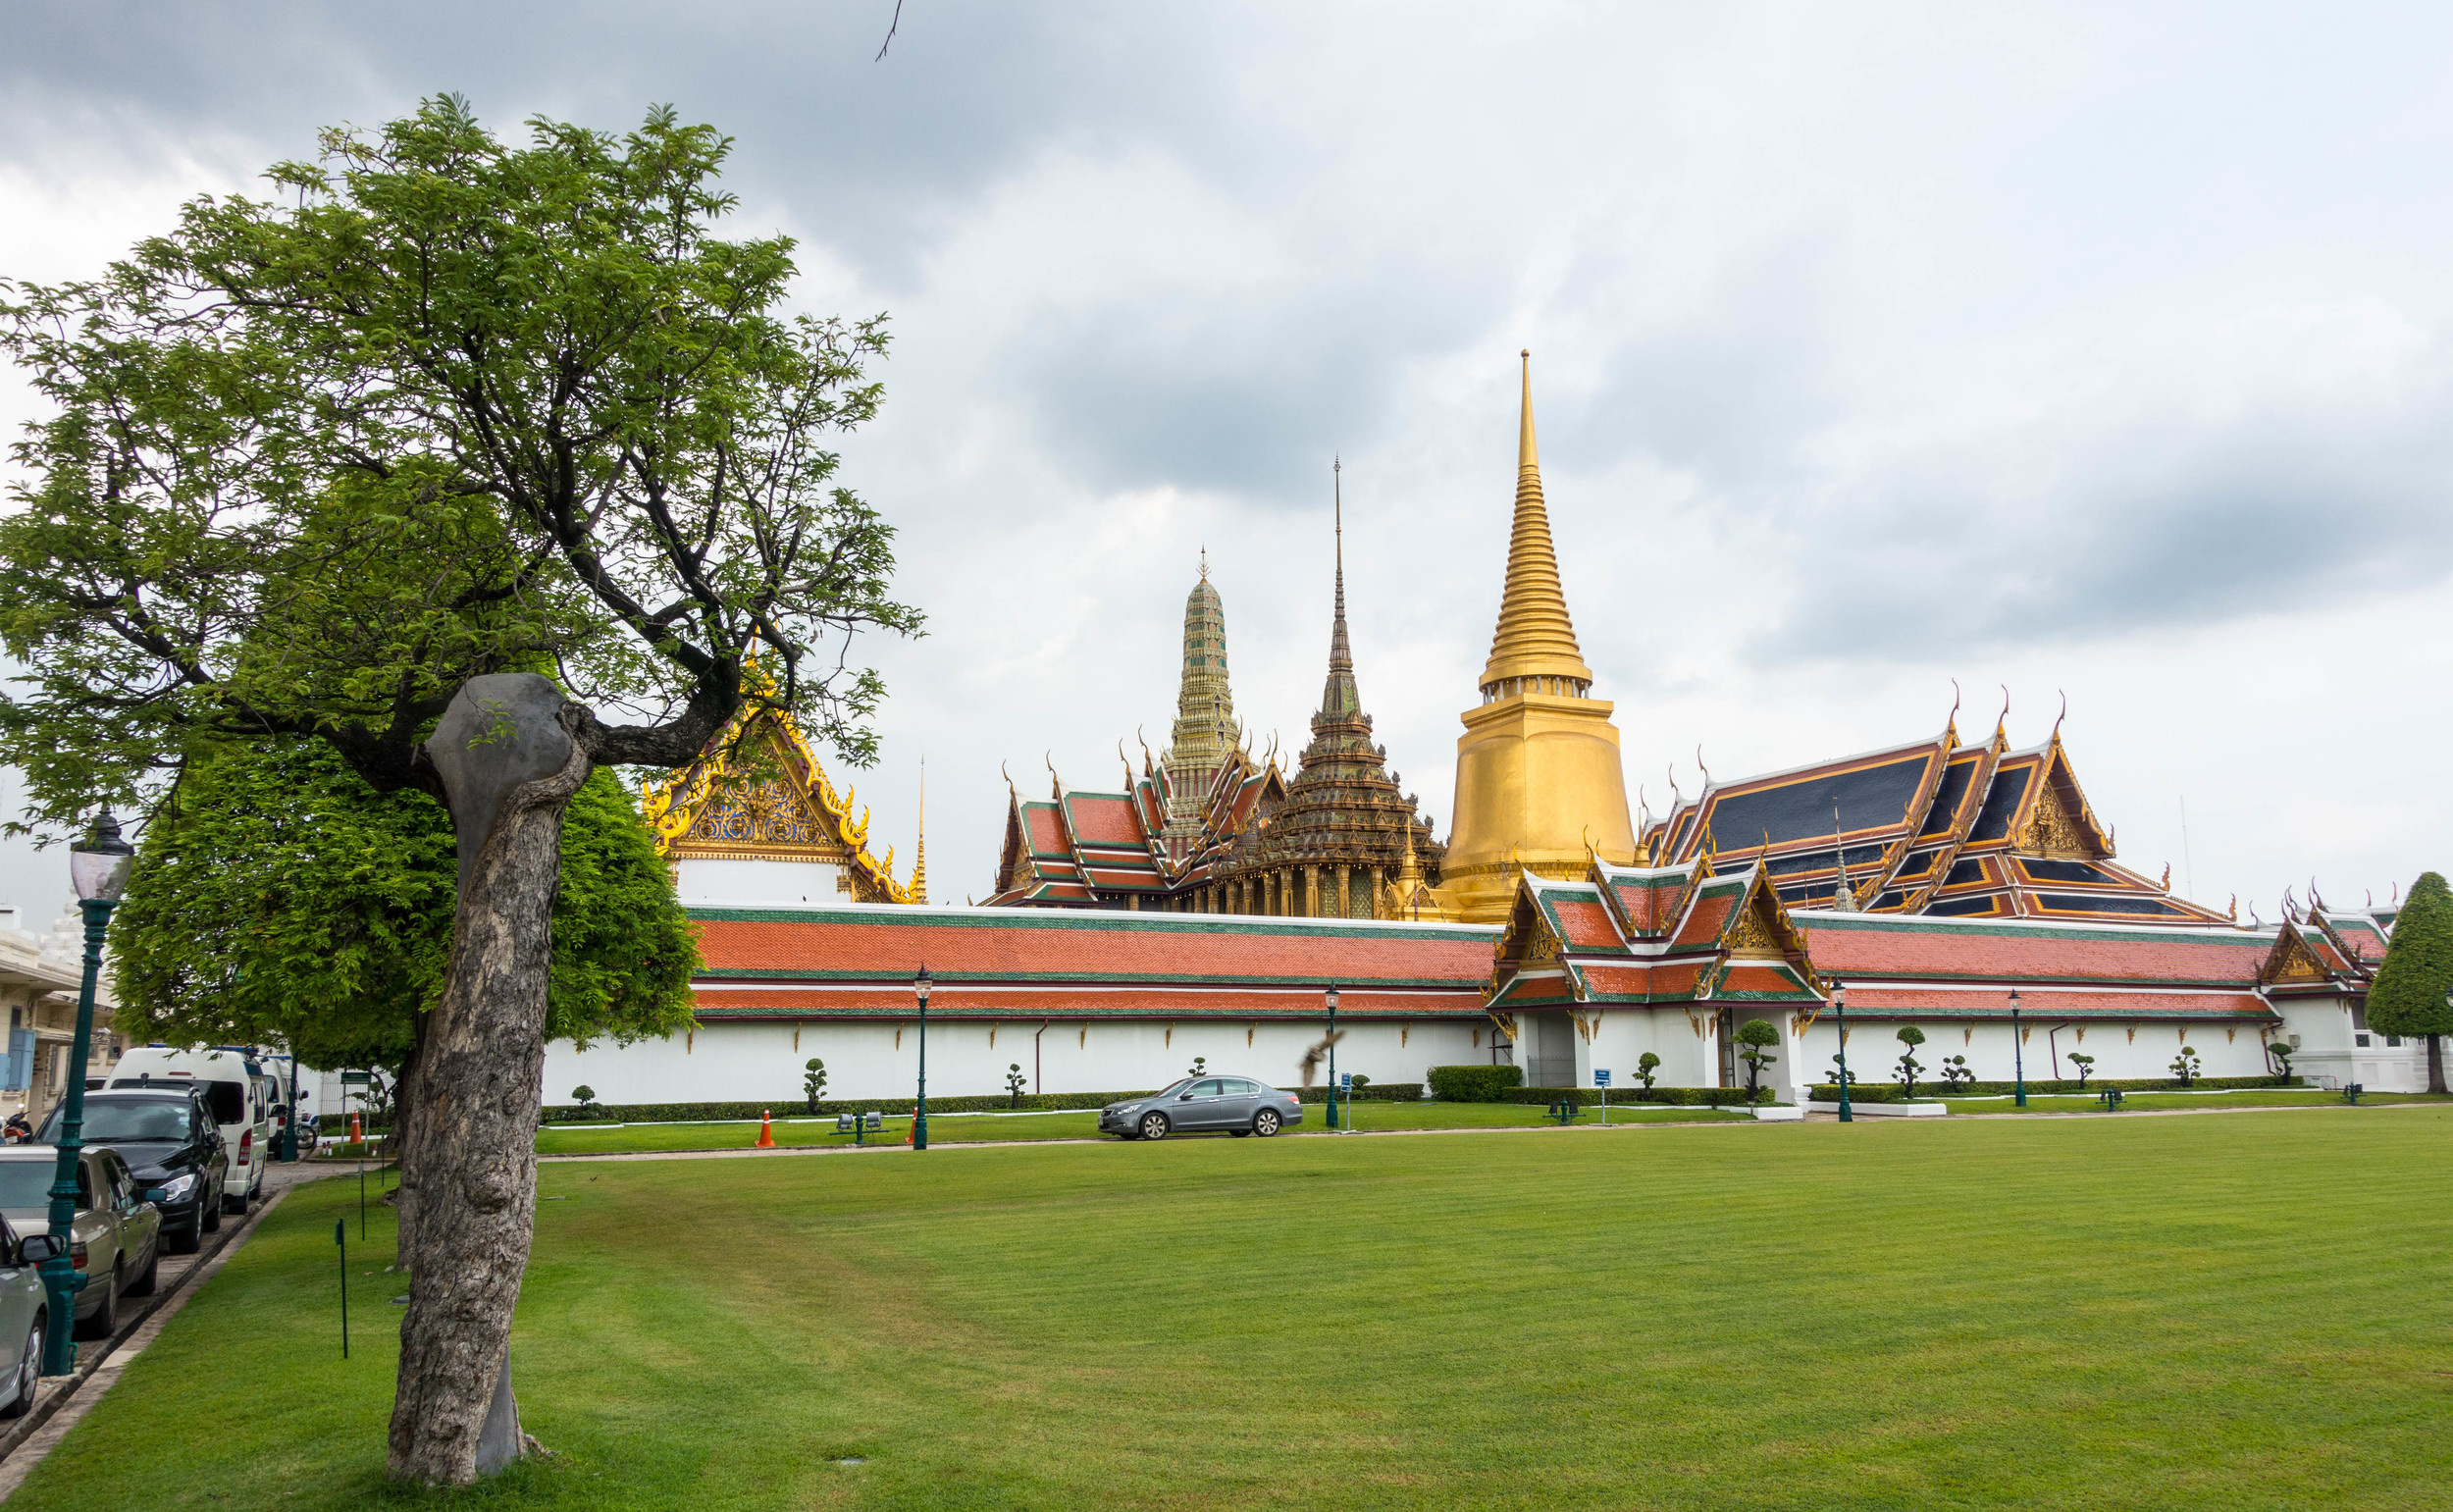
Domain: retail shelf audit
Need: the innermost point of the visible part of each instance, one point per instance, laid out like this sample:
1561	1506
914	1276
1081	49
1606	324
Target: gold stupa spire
920	845
1535	638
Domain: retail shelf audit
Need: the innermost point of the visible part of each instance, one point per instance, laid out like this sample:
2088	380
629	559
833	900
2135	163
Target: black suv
171	1141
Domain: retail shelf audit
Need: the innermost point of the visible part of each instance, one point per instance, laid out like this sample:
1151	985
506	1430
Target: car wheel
209	1215
1265	1123
1154	1125
152	1277
189	1238
237	1205
105	1320
28	1371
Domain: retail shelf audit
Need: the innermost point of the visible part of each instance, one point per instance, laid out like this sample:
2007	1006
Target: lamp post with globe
98	866
920	1114
1840	1012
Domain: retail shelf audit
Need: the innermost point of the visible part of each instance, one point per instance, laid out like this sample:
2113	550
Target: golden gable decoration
757	793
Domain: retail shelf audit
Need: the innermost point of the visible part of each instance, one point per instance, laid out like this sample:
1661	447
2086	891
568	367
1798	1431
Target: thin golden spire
919	847
1534	639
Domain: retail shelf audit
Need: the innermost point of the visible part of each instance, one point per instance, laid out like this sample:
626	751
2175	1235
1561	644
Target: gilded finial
2168	876
2001	723
1055	784
2233	913
2058	719
1707	771
1205	562
1534	642
1951	722
920	842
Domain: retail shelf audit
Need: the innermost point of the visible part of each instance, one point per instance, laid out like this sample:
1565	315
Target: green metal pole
59	1274
2018	1058
1840	1010
1332	1064
340	1236
919	1116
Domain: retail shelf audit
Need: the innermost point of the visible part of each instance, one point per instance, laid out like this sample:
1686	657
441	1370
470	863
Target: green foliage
444	405
814	1084
1955	1071
2085	1063
585	1095
1198	1062
1675	1097
2279	1054
1828	1092
2185	1065
1647	1065
1015	1081
1475	1083
281	899
1840	1071
2408	996
1360	1081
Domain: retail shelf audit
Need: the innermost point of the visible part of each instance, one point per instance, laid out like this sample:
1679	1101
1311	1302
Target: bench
858	1123
2351	1093
2113	1098
1566	1109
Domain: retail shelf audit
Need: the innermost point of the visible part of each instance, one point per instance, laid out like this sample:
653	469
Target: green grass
961	1128
2138	1102
2237	1311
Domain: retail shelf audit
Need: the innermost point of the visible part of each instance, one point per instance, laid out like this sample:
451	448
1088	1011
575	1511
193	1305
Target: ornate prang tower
1538	770
1205	716
1345	835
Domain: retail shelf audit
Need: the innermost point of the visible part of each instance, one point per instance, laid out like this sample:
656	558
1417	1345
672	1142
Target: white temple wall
737	1062
2330	1054
1874	1049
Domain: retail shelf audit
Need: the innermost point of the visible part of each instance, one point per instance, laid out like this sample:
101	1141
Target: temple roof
784	962
1930	827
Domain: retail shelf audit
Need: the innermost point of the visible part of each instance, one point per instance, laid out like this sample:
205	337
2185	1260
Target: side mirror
38	1248
1187	1096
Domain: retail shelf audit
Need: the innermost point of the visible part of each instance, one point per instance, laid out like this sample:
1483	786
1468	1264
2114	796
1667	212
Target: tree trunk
509	766
2436	1064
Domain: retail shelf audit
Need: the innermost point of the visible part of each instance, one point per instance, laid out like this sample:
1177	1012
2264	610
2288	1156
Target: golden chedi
1538	770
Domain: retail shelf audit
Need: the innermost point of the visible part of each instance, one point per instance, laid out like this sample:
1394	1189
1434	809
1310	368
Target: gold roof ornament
1534	637
918	888
757	793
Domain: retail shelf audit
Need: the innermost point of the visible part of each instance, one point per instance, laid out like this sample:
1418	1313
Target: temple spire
1339	696
919	847
1204	732
1534	639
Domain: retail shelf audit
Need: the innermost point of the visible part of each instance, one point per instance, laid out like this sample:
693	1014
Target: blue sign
1345	1082
1600	1077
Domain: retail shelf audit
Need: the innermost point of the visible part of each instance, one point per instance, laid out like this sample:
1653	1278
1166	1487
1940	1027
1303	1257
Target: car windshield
1172	1091
157	1118
25	1184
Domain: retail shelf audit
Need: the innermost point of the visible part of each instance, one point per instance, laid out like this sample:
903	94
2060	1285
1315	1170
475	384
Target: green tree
279	898
1647	1065
2086	1066
351	463
2409	994
1910	1036
2279	1054
1015	1081
1757	1035
585	1096
2185	1066
813	1083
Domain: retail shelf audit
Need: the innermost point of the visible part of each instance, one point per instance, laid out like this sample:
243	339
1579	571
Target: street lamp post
2018	1057
98	865
289	1150
1332	996
919	1116
1840	1012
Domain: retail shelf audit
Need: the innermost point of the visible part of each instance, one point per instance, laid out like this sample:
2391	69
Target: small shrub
2279	1054
1955	1072
2185	1065
1840	1071
1015	1081
1911	1036
814	1084
1199	1066
1645	1064
2086	1068
586	1097
1475	1083
1361	1081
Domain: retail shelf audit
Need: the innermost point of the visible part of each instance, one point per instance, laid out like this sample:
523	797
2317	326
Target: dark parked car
171	1140
1232	1105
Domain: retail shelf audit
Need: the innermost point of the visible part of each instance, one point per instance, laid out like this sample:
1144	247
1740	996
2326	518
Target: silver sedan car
1233	1104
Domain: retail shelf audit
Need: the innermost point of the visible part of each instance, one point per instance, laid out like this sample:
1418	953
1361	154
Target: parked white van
235	1088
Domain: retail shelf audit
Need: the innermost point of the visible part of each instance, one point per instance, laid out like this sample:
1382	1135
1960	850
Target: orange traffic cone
357	1135
913	1127
766	1129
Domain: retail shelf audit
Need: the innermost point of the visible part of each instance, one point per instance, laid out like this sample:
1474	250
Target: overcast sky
1874	346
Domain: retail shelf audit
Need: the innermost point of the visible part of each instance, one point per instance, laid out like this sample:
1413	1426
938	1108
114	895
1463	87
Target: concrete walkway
61	1402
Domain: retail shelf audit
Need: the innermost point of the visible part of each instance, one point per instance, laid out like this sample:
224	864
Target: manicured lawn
2140	1102
2239	1311
958	1129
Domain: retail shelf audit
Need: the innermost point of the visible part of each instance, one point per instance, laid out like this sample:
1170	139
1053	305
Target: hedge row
1375	1092
1029	1101
1628	1097
1889	1091
1474	1084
